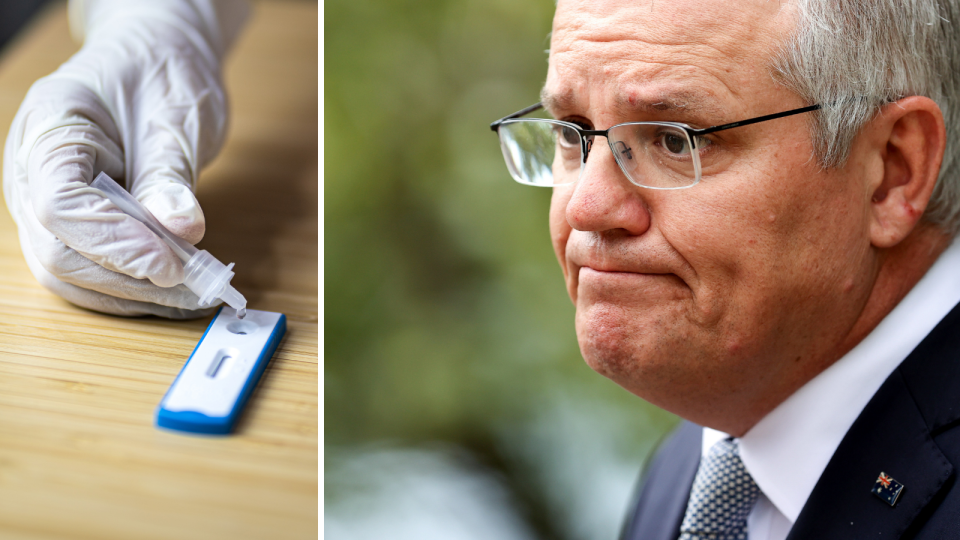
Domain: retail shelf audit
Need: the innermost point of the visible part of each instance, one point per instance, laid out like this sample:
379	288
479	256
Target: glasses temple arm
518	114
755	120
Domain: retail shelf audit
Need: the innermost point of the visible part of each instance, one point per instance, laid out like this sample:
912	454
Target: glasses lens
655	155
541	152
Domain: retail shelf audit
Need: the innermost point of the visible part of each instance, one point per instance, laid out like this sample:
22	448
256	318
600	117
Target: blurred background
457	405
14	14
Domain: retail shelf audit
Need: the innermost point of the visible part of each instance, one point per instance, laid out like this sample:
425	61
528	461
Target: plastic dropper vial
203	274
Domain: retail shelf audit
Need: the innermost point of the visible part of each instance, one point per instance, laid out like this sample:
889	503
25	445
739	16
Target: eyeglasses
658	155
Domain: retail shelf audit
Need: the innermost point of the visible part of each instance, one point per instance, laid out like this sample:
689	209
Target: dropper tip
235	300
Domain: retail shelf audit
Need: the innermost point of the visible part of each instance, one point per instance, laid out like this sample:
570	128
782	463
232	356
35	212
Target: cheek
741	237
788	238
756	214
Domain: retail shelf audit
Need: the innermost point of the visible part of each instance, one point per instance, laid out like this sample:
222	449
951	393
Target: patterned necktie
723	495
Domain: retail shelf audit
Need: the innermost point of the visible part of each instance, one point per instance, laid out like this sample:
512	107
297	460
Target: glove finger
101	302
175	206
68	266
179	126
59	168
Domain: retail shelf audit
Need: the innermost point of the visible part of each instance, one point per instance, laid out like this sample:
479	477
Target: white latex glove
142	101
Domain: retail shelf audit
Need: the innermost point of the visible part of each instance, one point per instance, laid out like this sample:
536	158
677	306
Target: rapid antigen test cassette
220	375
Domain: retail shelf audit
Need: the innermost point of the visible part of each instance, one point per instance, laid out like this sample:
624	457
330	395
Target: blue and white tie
723	495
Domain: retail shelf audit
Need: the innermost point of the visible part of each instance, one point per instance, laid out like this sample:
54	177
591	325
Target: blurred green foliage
446	317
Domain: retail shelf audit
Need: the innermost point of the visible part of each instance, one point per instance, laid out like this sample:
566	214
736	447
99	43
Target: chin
610	347
633	350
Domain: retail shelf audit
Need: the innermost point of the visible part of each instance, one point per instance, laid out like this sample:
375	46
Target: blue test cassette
219	377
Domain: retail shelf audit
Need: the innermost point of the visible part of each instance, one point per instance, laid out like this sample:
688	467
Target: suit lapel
662	500
894	435
890	437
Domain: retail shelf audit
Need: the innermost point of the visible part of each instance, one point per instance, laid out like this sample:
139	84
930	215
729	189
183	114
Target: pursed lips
619	274
609	265
619	282
619	266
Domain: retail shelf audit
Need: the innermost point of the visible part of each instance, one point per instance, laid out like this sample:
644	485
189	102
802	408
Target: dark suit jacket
910	430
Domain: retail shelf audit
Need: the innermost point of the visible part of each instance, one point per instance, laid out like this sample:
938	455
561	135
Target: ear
910	138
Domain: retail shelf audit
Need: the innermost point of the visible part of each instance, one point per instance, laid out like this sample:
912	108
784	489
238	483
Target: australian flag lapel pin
887	489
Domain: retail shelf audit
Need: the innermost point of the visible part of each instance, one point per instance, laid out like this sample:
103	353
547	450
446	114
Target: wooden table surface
79	455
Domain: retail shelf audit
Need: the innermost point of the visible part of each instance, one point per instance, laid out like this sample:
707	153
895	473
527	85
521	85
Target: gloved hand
142	101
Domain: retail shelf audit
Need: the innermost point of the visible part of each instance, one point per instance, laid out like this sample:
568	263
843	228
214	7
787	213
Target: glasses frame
692	133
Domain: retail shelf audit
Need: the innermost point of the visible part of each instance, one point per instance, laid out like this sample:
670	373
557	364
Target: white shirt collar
787	451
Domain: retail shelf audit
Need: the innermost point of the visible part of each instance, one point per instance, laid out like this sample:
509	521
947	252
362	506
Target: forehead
663	56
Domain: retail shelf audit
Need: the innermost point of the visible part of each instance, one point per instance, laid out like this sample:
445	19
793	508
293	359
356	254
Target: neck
898	269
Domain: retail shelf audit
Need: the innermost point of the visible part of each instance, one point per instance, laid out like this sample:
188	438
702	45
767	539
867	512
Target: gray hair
854	56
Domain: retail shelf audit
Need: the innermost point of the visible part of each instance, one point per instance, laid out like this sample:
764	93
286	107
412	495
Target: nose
604	199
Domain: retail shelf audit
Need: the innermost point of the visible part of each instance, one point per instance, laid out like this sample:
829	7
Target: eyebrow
676	101
557	102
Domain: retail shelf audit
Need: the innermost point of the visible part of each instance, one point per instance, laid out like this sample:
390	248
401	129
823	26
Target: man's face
735	290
